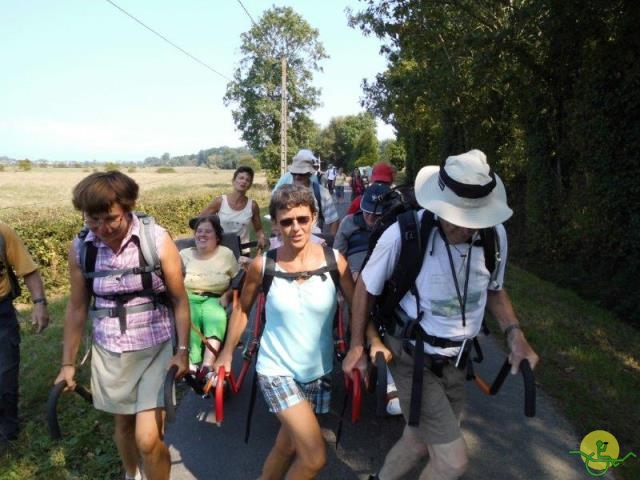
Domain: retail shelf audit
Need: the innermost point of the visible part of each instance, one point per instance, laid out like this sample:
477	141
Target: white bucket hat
303	162
464	191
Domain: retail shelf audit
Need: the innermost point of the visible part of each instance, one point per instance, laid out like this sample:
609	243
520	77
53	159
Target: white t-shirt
439	303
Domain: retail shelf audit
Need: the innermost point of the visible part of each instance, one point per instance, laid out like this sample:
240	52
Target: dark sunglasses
302	220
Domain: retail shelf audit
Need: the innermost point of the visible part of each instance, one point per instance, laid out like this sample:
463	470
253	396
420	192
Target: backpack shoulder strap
414	237
491	247
269	270
87	255
332	265
148	242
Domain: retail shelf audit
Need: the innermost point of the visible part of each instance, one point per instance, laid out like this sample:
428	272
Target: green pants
210	318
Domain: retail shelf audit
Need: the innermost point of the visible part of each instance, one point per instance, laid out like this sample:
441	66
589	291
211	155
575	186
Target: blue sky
82	81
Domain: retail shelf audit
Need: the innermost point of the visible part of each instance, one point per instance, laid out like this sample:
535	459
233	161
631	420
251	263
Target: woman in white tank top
236	211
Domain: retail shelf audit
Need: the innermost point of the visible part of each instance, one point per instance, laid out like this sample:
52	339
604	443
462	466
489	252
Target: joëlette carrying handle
381	385
354	388
52	406
529	385
169	382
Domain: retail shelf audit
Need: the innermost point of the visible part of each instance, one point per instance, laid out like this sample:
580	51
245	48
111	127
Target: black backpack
399	205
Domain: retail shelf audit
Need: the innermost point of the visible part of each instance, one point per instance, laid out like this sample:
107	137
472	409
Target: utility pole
283	118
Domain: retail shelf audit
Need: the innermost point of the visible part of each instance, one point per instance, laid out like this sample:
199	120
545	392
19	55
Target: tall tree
256	87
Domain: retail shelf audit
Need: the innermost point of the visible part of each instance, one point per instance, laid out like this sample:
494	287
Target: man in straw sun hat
453	287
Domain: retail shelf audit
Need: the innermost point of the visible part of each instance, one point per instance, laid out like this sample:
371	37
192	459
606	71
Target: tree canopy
548	90
256	92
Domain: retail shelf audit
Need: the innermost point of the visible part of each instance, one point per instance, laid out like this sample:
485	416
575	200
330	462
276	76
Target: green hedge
48	234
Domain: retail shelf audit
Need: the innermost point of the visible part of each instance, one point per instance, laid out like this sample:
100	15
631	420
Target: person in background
15	261
341	182
209	269
134	314
302	170
236	211
352	241
357	184
287	179
331	178
381	173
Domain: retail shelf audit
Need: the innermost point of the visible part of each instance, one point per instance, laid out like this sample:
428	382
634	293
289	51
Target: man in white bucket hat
461	199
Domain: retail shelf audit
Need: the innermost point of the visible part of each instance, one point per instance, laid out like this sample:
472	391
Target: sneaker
211	380
393	407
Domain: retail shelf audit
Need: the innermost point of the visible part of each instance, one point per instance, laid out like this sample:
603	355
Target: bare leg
149	438
280	457
125	438
448	461
209	357
403	456
301	435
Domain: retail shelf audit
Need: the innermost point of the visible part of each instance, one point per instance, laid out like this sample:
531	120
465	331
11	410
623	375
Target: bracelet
68	365
510	328
183	348
41	300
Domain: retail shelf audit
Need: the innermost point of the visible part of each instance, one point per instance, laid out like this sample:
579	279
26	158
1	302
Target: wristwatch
41	300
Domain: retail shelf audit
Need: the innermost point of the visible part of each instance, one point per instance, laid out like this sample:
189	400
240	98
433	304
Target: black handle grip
529	388
52	406
529	385
381	385
169	381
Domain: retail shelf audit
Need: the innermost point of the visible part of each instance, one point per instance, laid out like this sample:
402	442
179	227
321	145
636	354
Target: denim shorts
282	392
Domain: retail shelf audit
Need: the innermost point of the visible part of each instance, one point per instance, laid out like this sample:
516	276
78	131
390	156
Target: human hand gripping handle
356	359
67	374
519	349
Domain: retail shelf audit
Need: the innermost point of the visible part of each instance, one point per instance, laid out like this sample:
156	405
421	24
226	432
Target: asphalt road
502	442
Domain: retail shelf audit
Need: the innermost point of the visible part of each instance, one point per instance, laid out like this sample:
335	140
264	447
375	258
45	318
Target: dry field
50	188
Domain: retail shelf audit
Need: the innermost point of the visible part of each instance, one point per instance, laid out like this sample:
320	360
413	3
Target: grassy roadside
590	361
590	366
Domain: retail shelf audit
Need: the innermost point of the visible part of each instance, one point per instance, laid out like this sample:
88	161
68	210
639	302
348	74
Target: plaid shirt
144	329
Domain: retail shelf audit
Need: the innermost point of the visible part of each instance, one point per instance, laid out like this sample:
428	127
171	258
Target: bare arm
360	308
346	280
499	304
333	228
257	224
212	208
240	313
40	314
74	321
174	283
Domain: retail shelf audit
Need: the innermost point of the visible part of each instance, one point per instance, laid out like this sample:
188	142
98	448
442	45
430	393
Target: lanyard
462	299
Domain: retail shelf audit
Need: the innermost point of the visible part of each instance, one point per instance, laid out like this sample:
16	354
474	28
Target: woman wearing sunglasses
296	349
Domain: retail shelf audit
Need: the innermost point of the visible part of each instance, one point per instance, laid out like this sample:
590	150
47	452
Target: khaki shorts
130	382
442	398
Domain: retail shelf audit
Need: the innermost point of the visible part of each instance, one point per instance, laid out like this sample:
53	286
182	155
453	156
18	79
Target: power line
248	14
169	41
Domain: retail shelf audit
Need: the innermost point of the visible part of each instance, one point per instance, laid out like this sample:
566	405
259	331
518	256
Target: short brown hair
214	220
290	196
98	192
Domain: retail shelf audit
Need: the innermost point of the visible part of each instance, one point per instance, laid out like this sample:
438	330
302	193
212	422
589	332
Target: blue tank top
297	340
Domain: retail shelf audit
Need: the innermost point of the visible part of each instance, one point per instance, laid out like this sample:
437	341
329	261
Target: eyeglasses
111	221
301	175
301	220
